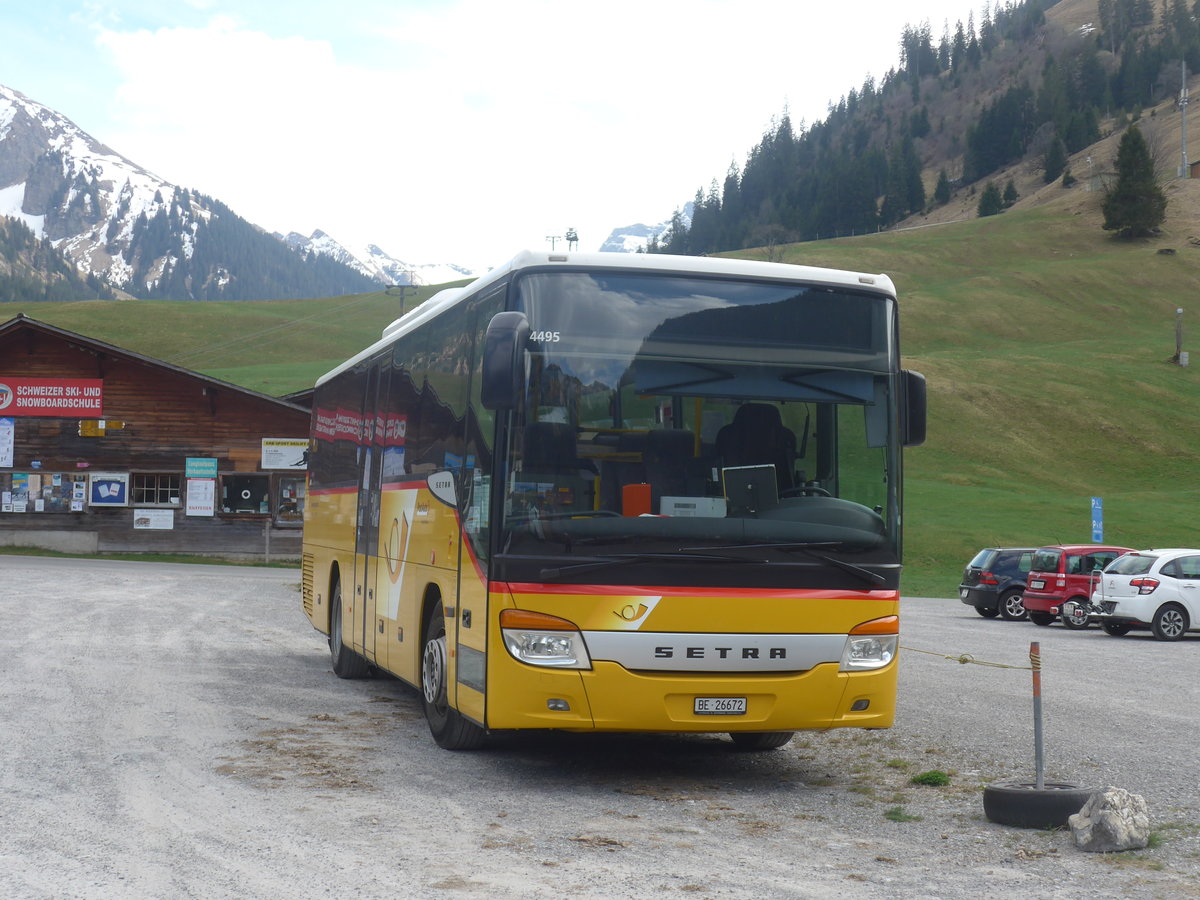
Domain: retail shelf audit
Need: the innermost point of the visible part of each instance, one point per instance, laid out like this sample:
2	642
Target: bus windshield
712	419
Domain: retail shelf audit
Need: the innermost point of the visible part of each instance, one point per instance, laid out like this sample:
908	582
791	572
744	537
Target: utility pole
553	239
1183	102
1181	356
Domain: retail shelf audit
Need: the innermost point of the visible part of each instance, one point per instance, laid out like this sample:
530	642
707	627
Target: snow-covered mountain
377	264
635	238
146	237
75	191
122	224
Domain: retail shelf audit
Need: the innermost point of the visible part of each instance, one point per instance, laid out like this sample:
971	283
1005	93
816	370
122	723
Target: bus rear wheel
346	663
449	728
760	740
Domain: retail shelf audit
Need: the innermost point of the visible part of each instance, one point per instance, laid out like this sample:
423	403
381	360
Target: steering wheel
805	490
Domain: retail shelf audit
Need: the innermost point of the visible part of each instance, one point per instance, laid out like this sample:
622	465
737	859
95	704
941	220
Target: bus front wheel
449	728
760	740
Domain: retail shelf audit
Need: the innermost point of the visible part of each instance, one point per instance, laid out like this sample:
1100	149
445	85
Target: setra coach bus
609	492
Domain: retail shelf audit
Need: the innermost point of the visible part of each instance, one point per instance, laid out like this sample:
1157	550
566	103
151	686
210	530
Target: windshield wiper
811	548
615	559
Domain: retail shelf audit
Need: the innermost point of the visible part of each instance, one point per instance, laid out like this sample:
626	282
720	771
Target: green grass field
1047	346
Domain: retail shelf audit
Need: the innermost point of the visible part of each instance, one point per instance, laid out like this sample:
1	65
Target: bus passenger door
366	551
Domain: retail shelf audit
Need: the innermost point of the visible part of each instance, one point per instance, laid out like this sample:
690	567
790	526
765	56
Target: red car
1064	572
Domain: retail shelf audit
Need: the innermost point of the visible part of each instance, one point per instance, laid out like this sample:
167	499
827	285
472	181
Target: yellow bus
621	492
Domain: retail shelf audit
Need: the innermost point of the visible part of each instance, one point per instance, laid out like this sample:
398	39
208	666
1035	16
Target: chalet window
289	504
156	489
246	493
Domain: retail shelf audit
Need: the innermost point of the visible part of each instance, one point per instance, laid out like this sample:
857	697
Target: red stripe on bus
629	589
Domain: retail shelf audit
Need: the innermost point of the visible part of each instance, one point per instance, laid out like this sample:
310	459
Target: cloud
475	128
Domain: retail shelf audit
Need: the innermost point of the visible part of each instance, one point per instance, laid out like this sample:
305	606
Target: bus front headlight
871	645
542	640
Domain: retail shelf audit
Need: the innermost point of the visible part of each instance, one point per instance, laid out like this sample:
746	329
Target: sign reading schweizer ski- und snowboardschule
66	397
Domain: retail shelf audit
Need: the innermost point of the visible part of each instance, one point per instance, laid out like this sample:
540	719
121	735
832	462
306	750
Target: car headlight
542	640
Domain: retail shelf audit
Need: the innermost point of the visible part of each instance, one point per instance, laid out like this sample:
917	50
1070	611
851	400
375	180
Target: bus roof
649	262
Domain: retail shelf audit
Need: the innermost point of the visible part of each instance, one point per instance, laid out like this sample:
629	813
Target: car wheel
1169	623
1116	629
1011	607
760	740
987	612
1041	618
1025	805
1075	614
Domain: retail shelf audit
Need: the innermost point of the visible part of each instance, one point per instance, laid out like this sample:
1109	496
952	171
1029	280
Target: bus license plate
720	706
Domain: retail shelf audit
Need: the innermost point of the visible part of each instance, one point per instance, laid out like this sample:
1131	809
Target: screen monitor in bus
750	489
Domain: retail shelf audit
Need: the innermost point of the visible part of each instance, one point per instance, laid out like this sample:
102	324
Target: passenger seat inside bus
757	436
550	453
672	469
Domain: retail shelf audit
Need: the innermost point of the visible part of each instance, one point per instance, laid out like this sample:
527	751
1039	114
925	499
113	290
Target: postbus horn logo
6	395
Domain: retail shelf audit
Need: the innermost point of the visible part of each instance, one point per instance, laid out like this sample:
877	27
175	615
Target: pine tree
1055	161
1135	206
941	193
990	202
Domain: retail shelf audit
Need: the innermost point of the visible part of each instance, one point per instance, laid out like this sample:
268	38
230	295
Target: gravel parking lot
174	731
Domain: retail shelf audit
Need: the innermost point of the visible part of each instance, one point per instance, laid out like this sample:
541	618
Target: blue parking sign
1097	520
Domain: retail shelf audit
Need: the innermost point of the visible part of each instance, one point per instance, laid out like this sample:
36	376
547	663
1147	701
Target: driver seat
756	437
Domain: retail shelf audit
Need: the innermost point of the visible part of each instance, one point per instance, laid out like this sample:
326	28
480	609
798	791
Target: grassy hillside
272	346
1046	344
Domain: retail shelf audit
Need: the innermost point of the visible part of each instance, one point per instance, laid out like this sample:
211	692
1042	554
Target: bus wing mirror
913	426
503	376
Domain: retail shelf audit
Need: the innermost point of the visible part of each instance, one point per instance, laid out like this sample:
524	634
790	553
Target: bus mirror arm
503	376
914	408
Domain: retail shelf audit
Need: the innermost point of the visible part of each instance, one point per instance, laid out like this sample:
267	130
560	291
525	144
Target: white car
1155	589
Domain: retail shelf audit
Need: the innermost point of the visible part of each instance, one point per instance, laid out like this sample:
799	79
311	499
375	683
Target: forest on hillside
31	269
1041	94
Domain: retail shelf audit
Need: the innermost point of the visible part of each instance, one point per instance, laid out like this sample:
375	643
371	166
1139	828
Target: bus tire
1025	805
760	740
450	729
346	663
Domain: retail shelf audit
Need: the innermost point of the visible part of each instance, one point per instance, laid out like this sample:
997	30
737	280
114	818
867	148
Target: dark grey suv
994	580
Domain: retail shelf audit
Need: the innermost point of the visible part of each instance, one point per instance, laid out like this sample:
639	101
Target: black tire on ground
987	612
346	663
1041	618
1010	606
760	740
1079	619
449	728
1026	806
1116	629
1170	622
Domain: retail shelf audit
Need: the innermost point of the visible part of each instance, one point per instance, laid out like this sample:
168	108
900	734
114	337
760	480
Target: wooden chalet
106	450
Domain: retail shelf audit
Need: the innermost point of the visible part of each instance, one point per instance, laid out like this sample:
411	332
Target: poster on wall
201	496
154	519
7	436
284	453
108	489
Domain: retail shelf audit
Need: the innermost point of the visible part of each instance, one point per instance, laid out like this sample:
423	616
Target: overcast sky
449	130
